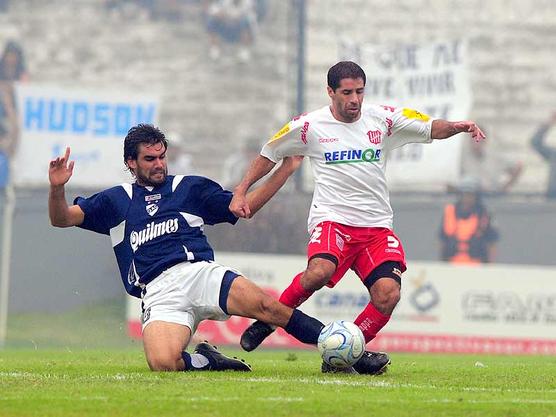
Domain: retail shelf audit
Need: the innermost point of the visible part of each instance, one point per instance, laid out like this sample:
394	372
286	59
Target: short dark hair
344	69
143	133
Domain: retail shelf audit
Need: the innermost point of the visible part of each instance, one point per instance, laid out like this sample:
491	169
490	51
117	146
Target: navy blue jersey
154	228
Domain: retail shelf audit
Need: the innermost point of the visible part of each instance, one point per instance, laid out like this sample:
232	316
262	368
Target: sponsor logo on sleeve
299	116
304	130
285	129
389	108
389	124
414	114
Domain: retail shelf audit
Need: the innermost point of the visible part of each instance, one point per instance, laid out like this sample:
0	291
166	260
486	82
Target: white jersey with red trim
348	160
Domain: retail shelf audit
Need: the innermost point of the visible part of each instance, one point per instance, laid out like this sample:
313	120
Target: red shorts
359	248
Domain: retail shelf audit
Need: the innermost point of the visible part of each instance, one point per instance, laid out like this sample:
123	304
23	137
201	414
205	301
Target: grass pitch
61	383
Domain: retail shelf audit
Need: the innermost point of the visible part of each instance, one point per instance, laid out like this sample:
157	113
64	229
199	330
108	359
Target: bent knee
386	297
317	275
164	363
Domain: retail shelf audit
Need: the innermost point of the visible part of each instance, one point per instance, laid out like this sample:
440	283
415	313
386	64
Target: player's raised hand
470	127
239	206
60	170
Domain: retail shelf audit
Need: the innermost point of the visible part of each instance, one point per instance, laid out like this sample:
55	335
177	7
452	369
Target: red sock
295	294
370	321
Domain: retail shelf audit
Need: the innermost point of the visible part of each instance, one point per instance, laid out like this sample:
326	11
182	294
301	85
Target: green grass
61	383
101	325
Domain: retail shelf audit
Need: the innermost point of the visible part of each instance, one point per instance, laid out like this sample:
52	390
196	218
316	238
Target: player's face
150	167
347	99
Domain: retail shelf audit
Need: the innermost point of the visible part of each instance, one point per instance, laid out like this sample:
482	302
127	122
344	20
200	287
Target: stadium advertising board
432	78
444	308
93	123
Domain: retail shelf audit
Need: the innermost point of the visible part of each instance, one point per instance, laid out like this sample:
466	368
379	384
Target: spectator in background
12	69
4	6
233	22
12	63
8	120
487	161
538	142
467	235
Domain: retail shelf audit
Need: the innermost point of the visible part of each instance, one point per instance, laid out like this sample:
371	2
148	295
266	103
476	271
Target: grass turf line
117	383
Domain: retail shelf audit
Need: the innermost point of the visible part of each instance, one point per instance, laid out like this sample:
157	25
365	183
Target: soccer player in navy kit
156	228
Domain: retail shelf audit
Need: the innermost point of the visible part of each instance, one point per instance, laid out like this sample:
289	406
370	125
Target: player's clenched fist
239	206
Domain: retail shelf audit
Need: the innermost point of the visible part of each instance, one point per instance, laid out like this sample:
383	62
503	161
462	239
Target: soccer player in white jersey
350	220
156	228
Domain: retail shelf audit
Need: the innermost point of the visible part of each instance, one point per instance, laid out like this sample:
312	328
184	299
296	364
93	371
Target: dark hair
344	69
15	48
141	134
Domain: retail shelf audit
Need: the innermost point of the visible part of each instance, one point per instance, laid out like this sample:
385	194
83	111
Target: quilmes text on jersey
152	231
84	117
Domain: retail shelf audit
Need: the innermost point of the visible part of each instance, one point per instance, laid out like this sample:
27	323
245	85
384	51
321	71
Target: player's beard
153	178
352	113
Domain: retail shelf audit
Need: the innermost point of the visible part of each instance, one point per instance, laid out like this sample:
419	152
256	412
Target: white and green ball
341	344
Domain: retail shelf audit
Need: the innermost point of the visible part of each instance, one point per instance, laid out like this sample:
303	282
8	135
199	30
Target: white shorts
187	294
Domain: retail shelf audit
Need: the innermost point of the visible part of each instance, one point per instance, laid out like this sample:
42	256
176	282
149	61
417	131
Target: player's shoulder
310	117
119	192
378	110
386	111
192	181
300	122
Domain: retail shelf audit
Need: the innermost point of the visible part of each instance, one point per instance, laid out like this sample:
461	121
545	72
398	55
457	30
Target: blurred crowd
12	70
231	25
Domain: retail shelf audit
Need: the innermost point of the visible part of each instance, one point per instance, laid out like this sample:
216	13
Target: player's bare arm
258	169
60	171
257	198
443	129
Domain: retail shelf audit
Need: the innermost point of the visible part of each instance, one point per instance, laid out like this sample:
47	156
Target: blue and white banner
432	78
92	123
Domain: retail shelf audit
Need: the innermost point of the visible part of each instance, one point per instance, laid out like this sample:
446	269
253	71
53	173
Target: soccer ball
341	344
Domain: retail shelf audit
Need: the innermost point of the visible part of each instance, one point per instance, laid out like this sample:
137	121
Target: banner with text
432	78
93	123
444	308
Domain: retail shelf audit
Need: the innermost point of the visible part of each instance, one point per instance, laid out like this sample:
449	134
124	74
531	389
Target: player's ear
330	91
131	164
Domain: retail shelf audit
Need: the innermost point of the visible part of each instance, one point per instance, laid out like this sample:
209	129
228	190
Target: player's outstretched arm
239	205
443	129
257	198
59	173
